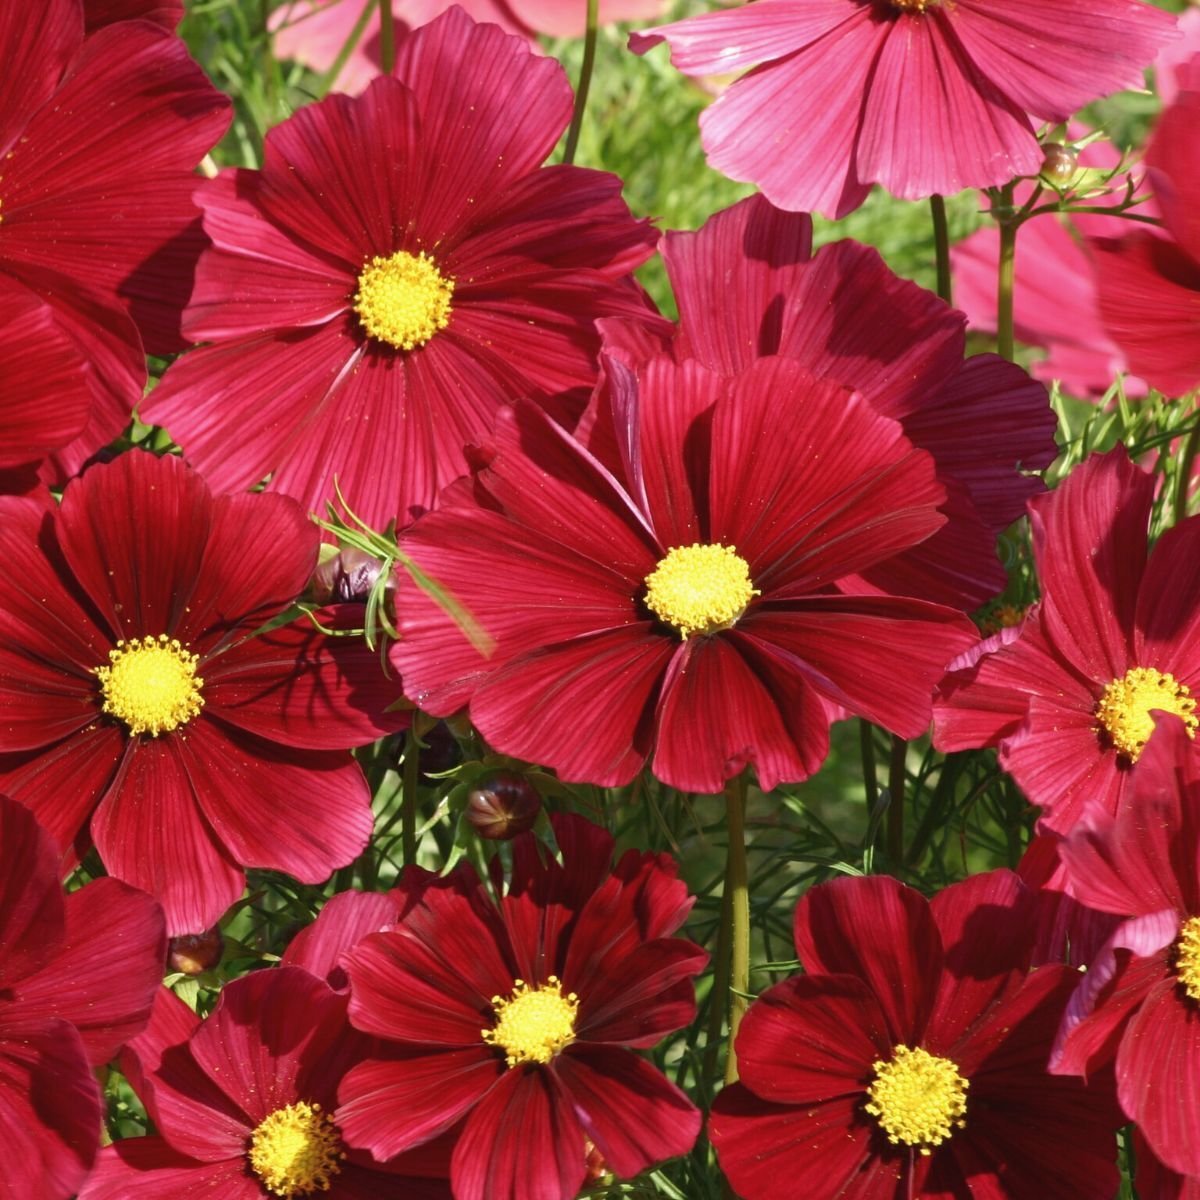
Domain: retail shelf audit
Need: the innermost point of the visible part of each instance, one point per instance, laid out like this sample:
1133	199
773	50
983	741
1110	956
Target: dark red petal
50	1110
104	977
778	1152
1089	540
133	532
344	920
150	832
171	1024
306	812
147	1168
391	1106
811	1039
628	1109
1158	1182
1158	1071
39	42
881	932
32	912
522	1141
1168	617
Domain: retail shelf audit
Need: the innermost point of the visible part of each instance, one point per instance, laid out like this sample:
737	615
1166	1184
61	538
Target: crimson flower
133	694
1140	998
516	1017
683	607
97	13
909	1059
1149	284
78	974
922	96
400	267
243	1102
1069	696
748	285
91	237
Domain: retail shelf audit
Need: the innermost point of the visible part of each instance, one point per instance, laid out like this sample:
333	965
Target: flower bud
1059	164
345	577
502	805
195	953
440	751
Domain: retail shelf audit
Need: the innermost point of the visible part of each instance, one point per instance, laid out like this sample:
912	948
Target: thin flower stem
1006	284
1183	480
941	245
408	799
585	80
866	751
387	37
895	812
739	915
720	989
330	77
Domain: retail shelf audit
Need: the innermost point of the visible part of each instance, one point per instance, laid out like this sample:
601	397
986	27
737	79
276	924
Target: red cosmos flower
132	692
922	96
1140	998
515	1017
167	13
314	31
400	267
682	606
909	1060
78	227
748	285
1150	285
78	975
1070	695
1158	1182
244	1101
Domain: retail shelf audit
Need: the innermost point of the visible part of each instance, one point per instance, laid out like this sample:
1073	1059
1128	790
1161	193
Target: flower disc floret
700	589
296	1151
151	684
918	1098
534	1023
404	299
1127	705
1187	957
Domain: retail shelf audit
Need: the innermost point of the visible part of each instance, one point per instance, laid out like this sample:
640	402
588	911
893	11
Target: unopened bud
346	576
1059	164
502	805
195	953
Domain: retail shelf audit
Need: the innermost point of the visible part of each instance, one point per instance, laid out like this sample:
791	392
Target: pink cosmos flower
401	266
922	96
78	974
1150	285
1070	695
314	31
748	285
93	238
1139	1001
1177	67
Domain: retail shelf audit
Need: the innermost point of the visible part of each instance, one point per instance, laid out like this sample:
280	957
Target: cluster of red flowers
627	552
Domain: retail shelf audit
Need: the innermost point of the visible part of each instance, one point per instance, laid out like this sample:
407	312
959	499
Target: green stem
1006	283
408	799
585	80
739	916
1187	464
866	750
720	988
387	37
941	246
895	812
343	55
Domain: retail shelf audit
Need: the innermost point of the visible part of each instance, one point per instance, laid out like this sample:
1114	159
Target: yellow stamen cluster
534	1023
914	6
918	1098
1125	709
1187	957
296	1151
699	589
151	684
403	300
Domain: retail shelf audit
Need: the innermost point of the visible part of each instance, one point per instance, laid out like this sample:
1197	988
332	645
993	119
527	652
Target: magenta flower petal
147	1168
344	920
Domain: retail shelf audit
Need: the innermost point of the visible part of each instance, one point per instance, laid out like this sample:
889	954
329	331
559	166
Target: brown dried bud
1059	163
195	953
502	805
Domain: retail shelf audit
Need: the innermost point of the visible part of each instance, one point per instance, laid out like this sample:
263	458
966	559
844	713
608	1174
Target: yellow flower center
296	1151
918	1098
534	1023
917	6
699	589
1187	957
1126	706
151	685
403	300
